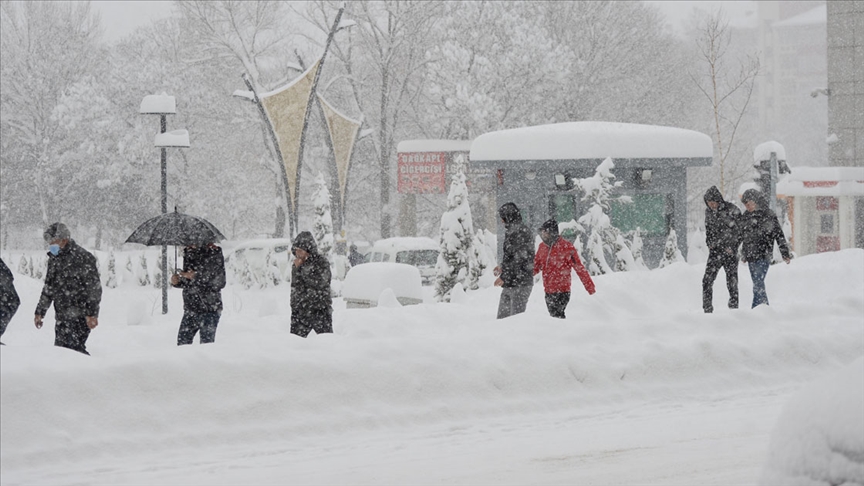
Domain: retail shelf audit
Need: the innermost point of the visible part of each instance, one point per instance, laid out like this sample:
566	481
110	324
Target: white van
418	251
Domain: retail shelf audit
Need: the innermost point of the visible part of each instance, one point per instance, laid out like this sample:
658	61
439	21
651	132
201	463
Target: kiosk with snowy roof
535	167
825	208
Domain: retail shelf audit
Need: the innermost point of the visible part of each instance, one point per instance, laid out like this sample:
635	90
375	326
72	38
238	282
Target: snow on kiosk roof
592	140
408	146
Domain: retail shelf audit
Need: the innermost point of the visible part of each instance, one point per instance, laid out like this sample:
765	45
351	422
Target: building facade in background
846	83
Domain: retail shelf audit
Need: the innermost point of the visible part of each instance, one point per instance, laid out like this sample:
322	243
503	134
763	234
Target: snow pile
430	393
763	151
819	439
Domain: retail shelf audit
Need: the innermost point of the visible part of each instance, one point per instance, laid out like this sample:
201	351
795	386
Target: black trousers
198	322
556	303
321	321
716	261
72	334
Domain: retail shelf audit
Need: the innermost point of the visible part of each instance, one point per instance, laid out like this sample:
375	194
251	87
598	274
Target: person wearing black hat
202	280
516	271
311	303
760	229
555	258
723	238
73	285
9	300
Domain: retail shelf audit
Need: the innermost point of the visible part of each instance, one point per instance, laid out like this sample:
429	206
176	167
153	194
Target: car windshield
417	257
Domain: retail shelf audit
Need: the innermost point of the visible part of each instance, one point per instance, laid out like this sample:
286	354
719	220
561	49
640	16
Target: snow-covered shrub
111	272
456	234
635	246
157	272
143	273
600	242
819	438
671	253
322	229
22	266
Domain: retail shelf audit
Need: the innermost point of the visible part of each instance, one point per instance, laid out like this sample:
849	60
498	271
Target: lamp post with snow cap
163	105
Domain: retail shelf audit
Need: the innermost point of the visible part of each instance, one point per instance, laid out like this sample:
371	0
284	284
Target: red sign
421	172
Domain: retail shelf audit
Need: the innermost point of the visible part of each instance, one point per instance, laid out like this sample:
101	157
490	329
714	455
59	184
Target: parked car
254	252
420	252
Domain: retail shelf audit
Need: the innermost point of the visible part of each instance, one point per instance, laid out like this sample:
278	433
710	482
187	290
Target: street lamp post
164	105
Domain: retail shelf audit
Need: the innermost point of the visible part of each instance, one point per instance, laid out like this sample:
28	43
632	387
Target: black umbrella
175	229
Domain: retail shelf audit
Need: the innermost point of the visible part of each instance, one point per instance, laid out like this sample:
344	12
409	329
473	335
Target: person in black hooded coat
723	237
516	271
311	303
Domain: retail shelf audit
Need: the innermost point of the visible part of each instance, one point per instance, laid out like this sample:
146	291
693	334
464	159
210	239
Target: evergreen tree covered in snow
479	260
456	235
671	253
111	271
322	229
143	273
22	266
602	241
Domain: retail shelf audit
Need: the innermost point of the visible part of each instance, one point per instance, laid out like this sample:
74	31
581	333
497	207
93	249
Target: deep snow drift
636	385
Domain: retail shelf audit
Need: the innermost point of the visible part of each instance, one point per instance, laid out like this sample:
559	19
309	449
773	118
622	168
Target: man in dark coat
202	280
72	283
760	229
9	300
354	256
516	271
311	303
723	237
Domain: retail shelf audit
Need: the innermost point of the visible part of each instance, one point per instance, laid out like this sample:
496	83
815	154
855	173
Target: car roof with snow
406	243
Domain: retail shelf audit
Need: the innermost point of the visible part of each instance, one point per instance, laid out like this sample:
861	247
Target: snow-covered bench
364	284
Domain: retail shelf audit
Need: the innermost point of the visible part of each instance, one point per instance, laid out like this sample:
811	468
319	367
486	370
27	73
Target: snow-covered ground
636	386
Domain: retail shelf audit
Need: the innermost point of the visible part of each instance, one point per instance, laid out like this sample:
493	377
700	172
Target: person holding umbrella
202	280
72	284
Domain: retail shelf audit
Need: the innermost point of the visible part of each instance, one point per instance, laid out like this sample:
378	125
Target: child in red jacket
555	257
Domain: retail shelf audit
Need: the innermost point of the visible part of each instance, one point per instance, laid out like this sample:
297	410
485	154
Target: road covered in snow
637	385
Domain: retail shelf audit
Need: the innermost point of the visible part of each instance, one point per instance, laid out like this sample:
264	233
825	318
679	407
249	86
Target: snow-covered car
418	251
254	252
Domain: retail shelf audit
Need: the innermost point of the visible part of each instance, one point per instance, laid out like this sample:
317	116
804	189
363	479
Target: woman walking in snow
555	257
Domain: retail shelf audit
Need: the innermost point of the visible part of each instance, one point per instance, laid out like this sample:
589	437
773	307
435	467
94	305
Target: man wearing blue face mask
72	283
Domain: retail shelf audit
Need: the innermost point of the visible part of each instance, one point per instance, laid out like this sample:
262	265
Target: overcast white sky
121	17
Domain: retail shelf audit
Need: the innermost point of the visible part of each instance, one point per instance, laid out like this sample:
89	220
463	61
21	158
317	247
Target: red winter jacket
556	266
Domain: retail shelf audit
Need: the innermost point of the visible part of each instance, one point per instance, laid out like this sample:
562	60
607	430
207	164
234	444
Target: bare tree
728	88
46	47
253	33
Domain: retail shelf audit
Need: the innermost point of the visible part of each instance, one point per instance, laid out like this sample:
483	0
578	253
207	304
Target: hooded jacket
204	292
9	300
722	231
556	260
72	284
517	262
310	282
760	230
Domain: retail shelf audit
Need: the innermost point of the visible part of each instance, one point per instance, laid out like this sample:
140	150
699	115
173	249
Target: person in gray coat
72	284
516	271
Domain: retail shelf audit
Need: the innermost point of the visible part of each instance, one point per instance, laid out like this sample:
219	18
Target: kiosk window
647	212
